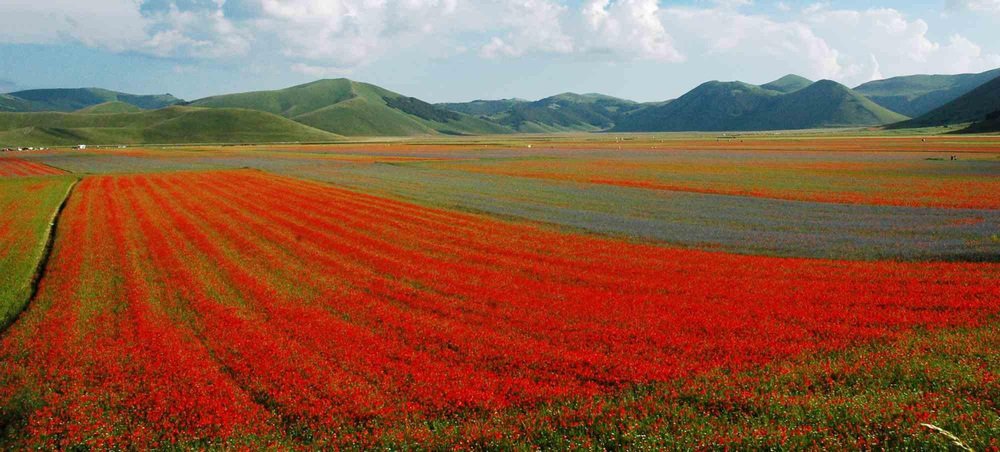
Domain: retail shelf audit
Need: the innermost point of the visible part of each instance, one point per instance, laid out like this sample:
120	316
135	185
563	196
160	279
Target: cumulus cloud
53	21
900	45
202	33
532	26
974	5
750	40
320	71
332	37
851	46
628	27
122	25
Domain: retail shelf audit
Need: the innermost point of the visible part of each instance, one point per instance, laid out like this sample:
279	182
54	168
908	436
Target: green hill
167	125
975	106
560	113
482	107
352	108
73	99
788	84
915	95
738	106
110	107
990	125
10	103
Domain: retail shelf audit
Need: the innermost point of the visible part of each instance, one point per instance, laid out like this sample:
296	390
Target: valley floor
577	291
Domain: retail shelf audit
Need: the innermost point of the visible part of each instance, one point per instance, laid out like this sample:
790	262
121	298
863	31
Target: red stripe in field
15	167
186	307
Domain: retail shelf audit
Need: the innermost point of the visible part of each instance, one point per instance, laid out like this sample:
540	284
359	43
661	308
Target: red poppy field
648	294
15	167
237	308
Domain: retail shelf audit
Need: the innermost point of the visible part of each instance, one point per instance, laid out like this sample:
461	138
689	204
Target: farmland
656	292
15	167
28	205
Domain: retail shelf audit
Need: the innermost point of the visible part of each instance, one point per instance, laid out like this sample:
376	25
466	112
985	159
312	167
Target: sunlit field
578	291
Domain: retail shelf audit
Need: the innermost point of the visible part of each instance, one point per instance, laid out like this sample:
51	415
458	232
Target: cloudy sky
454	50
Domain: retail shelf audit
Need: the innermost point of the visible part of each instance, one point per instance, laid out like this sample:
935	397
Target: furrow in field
296	311
15	167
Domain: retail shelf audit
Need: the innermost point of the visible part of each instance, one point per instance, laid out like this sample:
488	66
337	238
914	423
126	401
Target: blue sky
454	50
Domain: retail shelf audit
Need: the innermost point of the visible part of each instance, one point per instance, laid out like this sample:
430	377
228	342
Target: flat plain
579	291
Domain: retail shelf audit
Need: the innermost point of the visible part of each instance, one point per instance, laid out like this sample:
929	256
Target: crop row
211	308
15	167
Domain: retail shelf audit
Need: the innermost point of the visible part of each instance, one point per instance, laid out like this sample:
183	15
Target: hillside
990	125
560	113
738	106
974	106
915	95
168	125
482	107
352	108
110	107
788	84
73	99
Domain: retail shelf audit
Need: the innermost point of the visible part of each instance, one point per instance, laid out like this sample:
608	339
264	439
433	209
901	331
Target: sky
460	50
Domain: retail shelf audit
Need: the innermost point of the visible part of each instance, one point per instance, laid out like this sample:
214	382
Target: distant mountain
978	105
482	107
788	84
560	113
73	99
914	95
167	125
738	106
352	108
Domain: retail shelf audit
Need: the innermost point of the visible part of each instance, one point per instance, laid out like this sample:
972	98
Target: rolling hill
788	84
352	108
981	105
483	107
738	106
560	113
915	95
73	99
110	107
173	125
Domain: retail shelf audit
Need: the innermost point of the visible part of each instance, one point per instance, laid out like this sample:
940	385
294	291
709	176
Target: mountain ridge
73	99
351	108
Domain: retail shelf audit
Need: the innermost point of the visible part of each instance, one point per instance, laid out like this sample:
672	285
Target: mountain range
980	107
328	110
174	124
73	99
738	106
352	108
560	113
915	95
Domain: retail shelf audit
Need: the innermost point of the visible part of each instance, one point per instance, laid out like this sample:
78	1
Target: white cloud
320	71
850	46
628	27
899	44
974	5
747	40
120	26
201	34
531	26
323	37
497	47
53	21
